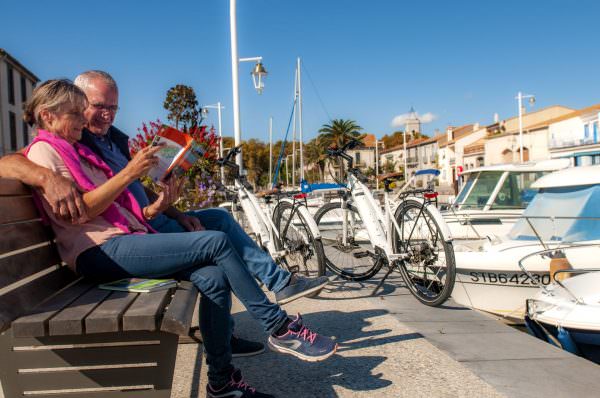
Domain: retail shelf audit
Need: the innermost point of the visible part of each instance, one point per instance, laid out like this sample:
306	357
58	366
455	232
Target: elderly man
112	146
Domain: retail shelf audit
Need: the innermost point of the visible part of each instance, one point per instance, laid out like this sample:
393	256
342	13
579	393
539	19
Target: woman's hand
171	191
143	161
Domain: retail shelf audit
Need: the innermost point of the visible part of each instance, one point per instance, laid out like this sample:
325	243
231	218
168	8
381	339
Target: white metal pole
300	121
221	141
235	80
271	152
377	162
294	128
404	139
520	100
287	175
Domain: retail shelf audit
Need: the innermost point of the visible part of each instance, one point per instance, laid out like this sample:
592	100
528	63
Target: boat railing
556	252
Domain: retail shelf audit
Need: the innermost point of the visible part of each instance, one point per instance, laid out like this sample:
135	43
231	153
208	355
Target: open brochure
139	285
179	152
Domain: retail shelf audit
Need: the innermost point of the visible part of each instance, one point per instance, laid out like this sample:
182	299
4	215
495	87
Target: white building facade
16	86
577	136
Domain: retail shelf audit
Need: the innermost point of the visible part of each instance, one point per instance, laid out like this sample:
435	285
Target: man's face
103	105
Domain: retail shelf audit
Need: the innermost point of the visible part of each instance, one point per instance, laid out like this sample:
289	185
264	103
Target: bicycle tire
345	259
429	272
311	255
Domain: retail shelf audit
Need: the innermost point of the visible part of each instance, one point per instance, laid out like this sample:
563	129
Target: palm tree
336	132
315	157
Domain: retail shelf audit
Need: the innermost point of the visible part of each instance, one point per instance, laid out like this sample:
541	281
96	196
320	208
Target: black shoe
236	388
239	347
301	287
245	348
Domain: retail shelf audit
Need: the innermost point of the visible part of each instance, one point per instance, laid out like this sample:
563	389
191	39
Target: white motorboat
567	313
493	198
488	276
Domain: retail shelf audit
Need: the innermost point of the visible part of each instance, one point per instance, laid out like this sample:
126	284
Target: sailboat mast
299	74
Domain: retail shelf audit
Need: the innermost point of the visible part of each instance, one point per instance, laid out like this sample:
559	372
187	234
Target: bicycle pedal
364	254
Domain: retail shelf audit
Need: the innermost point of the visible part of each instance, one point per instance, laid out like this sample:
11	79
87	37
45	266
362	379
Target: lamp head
532	100
258	72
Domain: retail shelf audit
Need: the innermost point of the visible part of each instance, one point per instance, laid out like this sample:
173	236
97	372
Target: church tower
413	124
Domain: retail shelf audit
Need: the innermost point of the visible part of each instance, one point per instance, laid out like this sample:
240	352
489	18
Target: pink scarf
70	155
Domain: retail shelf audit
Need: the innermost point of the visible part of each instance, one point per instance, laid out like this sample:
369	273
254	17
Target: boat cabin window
515	192
567	214
482	190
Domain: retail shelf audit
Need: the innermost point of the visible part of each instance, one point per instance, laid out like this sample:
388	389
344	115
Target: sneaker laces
242	385
306	334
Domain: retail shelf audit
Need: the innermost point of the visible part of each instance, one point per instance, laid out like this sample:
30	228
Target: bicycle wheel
351	258
430	269
304	252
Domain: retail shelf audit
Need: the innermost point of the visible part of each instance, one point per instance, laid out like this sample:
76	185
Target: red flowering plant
200	186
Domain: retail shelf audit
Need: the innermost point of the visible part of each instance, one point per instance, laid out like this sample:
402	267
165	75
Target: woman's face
68	123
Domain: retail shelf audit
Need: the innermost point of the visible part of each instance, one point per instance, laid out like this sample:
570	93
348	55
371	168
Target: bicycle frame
262	224
378	222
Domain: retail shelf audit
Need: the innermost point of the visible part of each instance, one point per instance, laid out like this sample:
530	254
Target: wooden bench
61	336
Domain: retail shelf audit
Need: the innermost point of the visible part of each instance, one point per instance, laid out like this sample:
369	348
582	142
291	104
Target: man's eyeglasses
103	107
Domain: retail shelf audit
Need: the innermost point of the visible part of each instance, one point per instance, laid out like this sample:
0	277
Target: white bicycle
284	228
359	237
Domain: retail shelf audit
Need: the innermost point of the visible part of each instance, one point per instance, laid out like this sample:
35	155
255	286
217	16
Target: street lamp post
218	107
258	73
519	99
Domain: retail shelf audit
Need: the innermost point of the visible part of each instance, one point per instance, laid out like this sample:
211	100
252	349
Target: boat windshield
577	204
481	188
516	191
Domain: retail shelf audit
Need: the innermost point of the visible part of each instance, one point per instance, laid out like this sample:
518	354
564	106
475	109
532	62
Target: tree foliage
397	138
336	133
182	105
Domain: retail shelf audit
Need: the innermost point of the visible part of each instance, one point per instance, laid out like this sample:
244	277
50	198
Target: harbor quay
390	345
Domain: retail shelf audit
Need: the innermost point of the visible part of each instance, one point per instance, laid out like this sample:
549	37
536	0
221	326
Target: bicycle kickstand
382	281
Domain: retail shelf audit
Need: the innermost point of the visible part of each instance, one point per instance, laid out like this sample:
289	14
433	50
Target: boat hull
499	292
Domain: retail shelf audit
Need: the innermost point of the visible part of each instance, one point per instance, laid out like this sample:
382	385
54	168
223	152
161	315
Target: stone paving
378	355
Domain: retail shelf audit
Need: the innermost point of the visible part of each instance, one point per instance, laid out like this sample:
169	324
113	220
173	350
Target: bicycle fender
435	213
312	225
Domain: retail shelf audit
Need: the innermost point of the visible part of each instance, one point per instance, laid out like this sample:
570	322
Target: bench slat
13	188
178	317
107	316
35	324
22	300
71	319
22	235
20	208
146	312
19	266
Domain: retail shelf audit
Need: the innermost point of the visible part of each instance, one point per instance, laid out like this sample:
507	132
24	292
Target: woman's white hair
85	79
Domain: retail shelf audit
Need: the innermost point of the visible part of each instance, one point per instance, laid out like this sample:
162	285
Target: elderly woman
116	241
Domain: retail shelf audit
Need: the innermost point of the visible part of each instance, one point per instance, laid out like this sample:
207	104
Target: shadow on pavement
284	375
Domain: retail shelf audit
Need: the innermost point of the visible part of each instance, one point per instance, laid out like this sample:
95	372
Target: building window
357	155
11	85
25	133
586	131
23	89
595	130
12	121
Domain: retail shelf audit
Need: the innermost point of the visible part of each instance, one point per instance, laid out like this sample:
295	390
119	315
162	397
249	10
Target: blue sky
460	61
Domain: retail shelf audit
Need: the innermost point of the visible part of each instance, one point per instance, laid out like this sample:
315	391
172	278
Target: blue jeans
210	261
259	262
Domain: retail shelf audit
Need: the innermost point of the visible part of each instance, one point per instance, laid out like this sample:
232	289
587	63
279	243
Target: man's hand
64	198
171	190
190	223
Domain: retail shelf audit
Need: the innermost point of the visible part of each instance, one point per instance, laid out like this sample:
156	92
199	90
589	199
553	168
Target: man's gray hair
84	80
